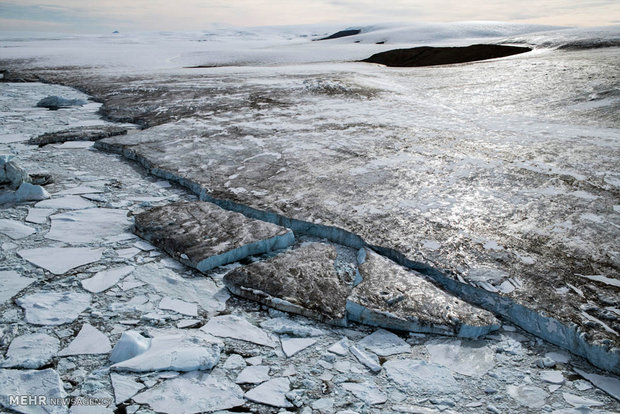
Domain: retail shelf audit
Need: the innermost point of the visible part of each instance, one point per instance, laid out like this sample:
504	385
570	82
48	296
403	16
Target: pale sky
104	16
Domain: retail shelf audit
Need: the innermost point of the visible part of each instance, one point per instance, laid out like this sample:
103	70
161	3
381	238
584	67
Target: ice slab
60	260
31	351
106	279
15	229
367	392
192	393
552	377
580	402
253	375
124	387
291	346
393	297
200	290
231	326
75	145
179	306
38	215
89	341
130	344
610	385
53	308
204	236
86	226
302	281
419	376
341	347
45	383
185	351
471	358
528	395
78	134
286	326
370	360
72	202
385	343
272	392
78	190
11	283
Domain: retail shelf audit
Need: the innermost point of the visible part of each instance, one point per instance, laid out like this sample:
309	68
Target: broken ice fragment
176	352
415	375
195	392
11	283
129	345
253	375
38	215
577	401
200	290
471	358
86	226
230	326
371	361
79	190
14	229
56	102
286	326
60	260
341	347
179	306
272	393
208	235
302	281
88	341
367	392
53	308
528	395
35	383
31	351
610	385
106	279
552	377
291	346
72	202
124	387
393	297
385	343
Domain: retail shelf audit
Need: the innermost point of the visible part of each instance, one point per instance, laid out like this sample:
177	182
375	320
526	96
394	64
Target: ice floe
130	344
11	283
105	279
231	326
608	384
528	395
291	346
179	306
86	226
88	341
124	387
174	352
72	202
370	360
471	358
415	375
272	392
53	308
367	392
193	392
385	343
15	229
31	351
253	375
45	383
38	215
60	260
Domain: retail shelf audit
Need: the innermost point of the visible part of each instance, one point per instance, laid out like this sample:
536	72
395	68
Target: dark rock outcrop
91	133
431	56
342	33
57	102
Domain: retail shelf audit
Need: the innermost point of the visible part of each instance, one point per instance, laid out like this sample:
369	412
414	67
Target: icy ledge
567	336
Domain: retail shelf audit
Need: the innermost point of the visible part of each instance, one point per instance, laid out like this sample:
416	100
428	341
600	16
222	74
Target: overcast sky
97	16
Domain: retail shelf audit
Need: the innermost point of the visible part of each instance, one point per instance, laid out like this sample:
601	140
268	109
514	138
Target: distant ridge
342	33
431	56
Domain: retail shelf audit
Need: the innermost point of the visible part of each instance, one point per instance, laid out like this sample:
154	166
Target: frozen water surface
496	181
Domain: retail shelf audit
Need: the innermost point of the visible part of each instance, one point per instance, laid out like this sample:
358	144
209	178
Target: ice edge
550	329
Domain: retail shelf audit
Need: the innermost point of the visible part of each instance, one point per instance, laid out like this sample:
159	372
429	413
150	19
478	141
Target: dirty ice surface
328	368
